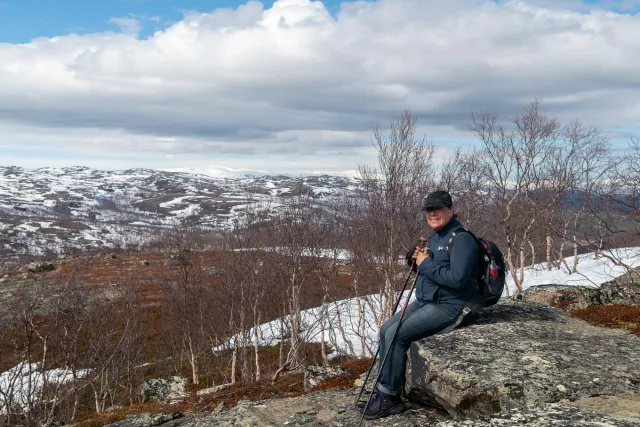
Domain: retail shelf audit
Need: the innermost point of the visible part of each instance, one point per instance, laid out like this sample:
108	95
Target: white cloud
127	25
294	86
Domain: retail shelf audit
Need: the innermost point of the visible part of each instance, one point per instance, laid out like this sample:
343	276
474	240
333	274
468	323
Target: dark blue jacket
445	279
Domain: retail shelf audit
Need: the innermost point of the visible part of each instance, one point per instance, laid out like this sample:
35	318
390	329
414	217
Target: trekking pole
393	339
423	242
366	378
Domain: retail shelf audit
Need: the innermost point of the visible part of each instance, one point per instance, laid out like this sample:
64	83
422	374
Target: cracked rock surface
335	408
518	354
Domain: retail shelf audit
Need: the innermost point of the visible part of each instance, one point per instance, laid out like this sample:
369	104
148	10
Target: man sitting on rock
445	293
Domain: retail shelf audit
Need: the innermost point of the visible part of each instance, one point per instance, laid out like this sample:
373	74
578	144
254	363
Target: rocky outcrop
314	375
323	408
553	414
40	266
517	354
623	290
563	296
158	390
150	420
335	408
214	389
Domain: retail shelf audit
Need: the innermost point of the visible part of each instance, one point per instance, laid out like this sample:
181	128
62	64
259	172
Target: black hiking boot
361	404
383	405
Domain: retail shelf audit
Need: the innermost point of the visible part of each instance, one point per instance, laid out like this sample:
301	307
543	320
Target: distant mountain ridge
50	208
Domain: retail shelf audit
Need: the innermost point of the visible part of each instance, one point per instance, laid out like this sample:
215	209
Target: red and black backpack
492	267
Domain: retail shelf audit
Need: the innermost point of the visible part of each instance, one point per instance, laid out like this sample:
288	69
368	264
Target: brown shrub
354	368
98	420
612	316
287	386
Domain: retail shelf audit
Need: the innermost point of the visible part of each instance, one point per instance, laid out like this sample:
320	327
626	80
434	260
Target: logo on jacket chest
443	248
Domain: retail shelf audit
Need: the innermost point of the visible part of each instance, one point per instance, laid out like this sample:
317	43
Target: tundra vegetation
78	341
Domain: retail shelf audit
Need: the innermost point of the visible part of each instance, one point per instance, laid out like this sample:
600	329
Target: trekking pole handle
423	242
421	245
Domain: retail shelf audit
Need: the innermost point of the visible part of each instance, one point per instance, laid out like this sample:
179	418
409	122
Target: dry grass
287	386
98	420
354	368
612	316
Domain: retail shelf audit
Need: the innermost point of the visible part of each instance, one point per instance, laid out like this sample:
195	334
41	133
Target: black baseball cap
436	200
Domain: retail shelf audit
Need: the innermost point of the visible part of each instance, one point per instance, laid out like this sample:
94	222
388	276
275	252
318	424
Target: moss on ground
612	316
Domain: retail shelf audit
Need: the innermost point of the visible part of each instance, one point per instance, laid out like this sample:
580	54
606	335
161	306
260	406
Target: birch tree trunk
549	260
256	342
574	239
522	264
323	345
195	377
234	361
575	255
533	252
514	272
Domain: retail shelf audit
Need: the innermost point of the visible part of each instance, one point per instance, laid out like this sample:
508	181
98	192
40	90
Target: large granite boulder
563	296
551	414
518	354
146	419
40	266
622	290
158	389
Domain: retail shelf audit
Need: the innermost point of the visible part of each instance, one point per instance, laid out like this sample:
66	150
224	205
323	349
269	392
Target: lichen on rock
518	354
157	390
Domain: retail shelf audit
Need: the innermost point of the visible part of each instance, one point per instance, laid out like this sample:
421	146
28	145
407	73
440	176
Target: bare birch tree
392	193
187	293
463	176
297	239
617	214
530	167
592	164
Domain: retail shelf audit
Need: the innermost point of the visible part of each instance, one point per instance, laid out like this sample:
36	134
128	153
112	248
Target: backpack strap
454	233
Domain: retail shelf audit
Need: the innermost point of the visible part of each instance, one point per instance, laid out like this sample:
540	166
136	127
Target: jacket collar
451	225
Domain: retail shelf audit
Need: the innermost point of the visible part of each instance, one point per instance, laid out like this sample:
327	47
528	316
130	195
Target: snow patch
355	334
24	382
591	271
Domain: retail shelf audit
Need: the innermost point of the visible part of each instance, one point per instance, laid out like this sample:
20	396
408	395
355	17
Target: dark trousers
420	320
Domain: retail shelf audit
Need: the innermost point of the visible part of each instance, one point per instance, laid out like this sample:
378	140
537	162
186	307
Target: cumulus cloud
127	25
293	79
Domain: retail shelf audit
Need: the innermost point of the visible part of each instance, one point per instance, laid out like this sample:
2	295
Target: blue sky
23	20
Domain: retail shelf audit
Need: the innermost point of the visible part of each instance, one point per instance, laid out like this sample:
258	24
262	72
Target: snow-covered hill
53	208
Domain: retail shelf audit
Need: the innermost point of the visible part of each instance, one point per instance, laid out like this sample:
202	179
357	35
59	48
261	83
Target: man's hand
420	254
